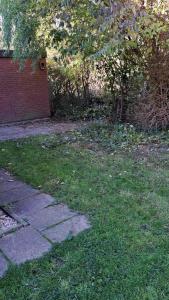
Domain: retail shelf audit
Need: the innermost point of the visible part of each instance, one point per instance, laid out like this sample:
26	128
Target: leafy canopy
91	27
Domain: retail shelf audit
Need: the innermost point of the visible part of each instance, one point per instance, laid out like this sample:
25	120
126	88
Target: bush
76	92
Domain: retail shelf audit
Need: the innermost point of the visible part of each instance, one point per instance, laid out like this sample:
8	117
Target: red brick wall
23	94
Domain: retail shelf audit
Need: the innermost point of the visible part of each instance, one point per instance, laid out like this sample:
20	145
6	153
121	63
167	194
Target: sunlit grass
125	255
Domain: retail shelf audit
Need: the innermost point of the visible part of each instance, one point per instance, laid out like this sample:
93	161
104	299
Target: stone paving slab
5	176
17	194
3	265
9	185
26	208
23	245
50	216
41	222
69	228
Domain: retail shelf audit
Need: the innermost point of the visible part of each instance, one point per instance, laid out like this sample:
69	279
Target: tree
88	26
128	38
32	26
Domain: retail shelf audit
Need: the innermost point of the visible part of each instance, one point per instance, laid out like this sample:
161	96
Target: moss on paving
125	255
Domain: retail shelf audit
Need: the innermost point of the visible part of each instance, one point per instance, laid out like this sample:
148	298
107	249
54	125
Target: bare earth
26	129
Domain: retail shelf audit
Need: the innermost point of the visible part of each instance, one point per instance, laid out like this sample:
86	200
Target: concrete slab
50	216
9	185
3	265
31	206
71	227
4	176
48	222
22	192
23	245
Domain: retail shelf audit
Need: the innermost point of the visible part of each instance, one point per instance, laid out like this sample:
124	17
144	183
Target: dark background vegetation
111	57
111	90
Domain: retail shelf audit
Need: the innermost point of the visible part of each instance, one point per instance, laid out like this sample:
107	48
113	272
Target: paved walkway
37	127
39	222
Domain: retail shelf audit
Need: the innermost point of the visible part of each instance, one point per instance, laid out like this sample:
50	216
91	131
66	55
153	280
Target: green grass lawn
124	189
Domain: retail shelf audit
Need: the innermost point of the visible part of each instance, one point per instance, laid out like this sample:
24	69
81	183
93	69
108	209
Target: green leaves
88	25
24	22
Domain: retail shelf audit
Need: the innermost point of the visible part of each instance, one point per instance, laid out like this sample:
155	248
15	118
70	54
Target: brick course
23	94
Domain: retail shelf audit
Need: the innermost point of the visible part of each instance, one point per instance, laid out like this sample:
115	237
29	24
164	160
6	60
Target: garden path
13	131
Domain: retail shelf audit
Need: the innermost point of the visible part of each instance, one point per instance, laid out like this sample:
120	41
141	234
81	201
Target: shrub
76	90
